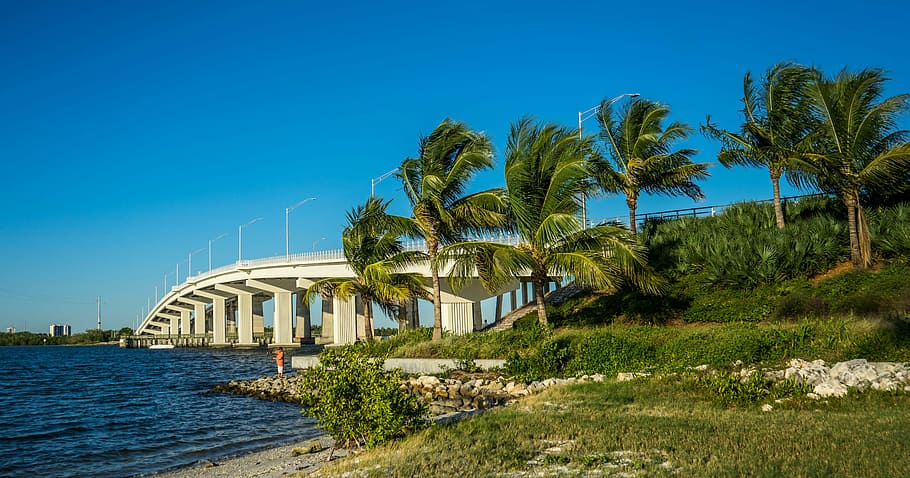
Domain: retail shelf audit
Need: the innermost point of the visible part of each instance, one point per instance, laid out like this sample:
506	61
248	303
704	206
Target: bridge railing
701	211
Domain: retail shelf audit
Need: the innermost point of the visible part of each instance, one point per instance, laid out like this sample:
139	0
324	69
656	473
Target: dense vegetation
87	337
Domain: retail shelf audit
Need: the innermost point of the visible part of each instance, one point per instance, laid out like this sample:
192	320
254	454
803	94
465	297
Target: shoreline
272	462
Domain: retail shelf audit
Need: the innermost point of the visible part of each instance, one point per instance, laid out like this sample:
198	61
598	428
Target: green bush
742	248
861	293
356	402
546	359
890	231
607	353
731	389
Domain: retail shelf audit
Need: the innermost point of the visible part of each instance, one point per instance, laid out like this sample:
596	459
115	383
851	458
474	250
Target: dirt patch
833	272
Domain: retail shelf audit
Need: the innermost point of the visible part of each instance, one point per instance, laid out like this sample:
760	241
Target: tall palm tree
545	172
775	127
858	145
374	253
641	155
435	183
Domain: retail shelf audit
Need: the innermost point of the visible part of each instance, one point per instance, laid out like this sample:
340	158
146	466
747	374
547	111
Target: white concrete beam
195	300
273	286
236	289
304	283
179	307
213	294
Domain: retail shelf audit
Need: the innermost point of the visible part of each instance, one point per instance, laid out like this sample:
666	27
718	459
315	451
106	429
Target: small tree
356	402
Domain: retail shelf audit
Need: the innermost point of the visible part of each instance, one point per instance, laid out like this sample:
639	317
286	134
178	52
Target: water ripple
110	412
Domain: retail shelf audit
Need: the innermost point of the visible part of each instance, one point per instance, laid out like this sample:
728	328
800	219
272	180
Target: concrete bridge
224	307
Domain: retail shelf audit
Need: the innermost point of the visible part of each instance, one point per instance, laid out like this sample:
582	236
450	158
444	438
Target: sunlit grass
661	427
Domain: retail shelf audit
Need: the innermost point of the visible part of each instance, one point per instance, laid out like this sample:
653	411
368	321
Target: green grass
662	427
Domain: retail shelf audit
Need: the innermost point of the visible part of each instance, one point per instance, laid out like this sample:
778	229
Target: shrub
731	389
356	402
742	247
890	231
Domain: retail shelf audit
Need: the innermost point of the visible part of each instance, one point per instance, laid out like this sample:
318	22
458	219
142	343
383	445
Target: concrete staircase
552	298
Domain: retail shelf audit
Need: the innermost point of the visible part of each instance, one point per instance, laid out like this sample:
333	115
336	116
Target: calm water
105	411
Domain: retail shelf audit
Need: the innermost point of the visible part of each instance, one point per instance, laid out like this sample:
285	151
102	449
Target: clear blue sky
131	133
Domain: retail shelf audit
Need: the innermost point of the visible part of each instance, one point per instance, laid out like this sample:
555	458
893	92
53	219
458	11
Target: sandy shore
271	463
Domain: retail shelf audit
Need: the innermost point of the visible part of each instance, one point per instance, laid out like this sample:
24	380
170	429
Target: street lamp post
240	238
189	266
210	249
375	181
582	117
317	242
287	241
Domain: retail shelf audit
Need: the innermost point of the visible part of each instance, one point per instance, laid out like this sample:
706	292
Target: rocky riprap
443	396
278	389
837	379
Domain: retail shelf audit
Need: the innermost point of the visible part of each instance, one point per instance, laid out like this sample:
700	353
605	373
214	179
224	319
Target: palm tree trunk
632	202
850	201
432	246
368	320
862	234
778	207
539	299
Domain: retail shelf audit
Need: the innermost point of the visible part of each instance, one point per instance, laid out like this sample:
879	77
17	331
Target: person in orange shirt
279	360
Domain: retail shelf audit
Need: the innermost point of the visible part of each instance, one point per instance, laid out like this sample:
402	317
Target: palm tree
858	145
545	173
642	156
374	253
435	183
776	125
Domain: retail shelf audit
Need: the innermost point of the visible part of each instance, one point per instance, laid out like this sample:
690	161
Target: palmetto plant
545	171
641	155
375	254
435	183
743	248
776	124
857	145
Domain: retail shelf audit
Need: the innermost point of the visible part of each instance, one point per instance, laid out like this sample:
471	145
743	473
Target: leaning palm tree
435	183
545	173
641	155
775	127
375	254
858	145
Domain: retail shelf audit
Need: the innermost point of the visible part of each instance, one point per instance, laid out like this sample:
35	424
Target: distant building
60	330
11	330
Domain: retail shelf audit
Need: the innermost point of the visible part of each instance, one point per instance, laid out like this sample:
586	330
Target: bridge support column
219	312
281	291
328	319
458	317
258	317
244	311
304	325
218	323
408	316
344	320
498	313
230	324
283	330
245	319
513	299
199	319
185	322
